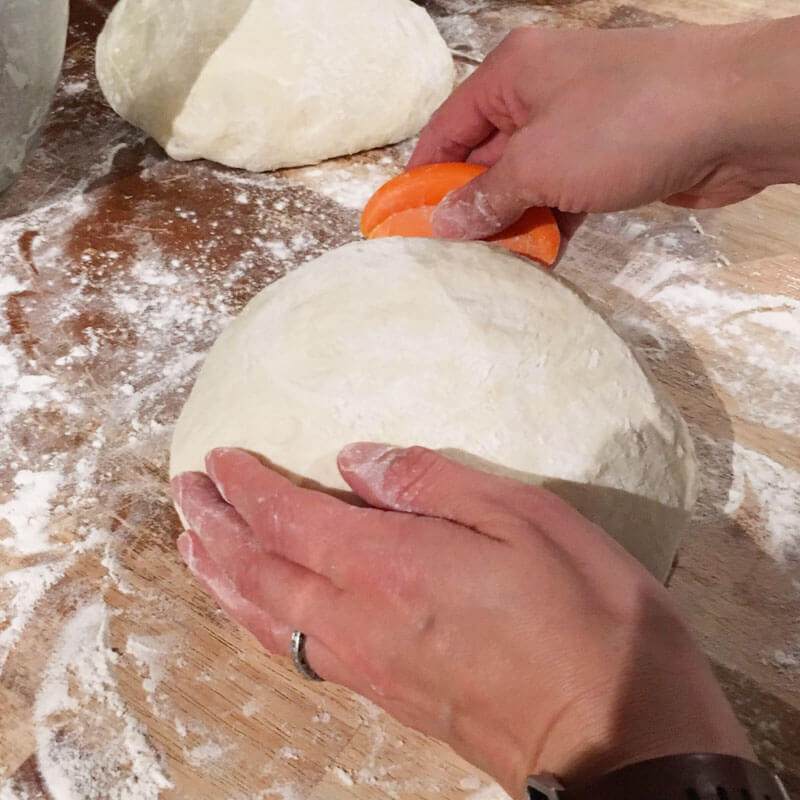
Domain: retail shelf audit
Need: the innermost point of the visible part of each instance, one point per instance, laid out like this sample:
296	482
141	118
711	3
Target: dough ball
461	347
263	84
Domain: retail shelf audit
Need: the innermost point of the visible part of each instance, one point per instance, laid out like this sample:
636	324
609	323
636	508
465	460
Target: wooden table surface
118	678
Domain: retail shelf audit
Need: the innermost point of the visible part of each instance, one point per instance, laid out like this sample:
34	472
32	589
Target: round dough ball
461	347
263	84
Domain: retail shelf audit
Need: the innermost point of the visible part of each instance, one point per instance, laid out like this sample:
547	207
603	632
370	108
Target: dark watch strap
696	776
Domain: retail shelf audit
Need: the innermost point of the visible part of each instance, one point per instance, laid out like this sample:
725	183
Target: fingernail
449	218
176	486
211	471
181	486
186	549
460	217
360	457
212	456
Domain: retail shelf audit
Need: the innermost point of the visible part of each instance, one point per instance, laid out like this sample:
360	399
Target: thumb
489	203
421	481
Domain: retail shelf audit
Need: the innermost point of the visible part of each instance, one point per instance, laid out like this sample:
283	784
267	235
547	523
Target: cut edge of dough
158	126
140	109
178	148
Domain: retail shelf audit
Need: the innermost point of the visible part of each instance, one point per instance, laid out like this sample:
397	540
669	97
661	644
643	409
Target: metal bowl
33	35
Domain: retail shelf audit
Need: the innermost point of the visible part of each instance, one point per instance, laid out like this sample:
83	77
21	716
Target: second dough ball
263	84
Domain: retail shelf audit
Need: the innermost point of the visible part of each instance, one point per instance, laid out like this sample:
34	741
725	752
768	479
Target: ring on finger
299	657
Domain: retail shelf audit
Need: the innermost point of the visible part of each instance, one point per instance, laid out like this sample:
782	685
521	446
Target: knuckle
409	476
540	504
425	625
510	51
528	177
520	47
431	634
507	523
523	36
310	601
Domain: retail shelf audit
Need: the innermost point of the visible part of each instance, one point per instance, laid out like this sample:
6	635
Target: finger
362	549
256	575
494	200
338	625
423	481
325	662
489	152
363	673
284	598
305	526
216	583
274	636
225	535
456	127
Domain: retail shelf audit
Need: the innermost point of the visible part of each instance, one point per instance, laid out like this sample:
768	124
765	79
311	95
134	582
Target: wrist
760	134
677	707
676	777
640	734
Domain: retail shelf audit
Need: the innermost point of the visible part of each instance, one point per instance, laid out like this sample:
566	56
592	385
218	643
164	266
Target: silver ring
299	657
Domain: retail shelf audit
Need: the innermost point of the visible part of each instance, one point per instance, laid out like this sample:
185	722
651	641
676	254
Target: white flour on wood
104	323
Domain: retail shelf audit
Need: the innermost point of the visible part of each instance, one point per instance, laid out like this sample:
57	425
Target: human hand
603	120
478	609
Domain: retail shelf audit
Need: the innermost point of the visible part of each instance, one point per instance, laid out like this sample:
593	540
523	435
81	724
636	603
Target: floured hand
603	120
477	609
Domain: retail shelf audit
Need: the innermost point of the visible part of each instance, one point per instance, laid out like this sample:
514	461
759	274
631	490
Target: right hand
604	120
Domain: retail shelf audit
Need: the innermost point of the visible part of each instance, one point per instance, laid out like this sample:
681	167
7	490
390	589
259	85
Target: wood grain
225	719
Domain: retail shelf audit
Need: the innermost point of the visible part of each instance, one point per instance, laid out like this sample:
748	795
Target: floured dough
263	84
456	346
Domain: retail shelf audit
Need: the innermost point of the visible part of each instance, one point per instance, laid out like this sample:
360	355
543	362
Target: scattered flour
491	792
29	510
349	182
27	586
695	223
787	661
78	686
73	88
251	707
98	347
776	487
282	789
10	285
755	339
150	652
343	776
201	754
278	249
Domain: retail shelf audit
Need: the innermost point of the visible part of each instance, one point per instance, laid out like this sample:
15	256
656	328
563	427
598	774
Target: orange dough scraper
403	207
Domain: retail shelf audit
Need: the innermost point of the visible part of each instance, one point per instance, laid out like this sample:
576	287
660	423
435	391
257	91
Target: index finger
455	129
308	527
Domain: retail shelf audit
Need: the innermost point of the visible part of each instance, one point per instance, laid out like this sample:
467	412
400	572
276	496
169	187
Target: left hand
478	609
